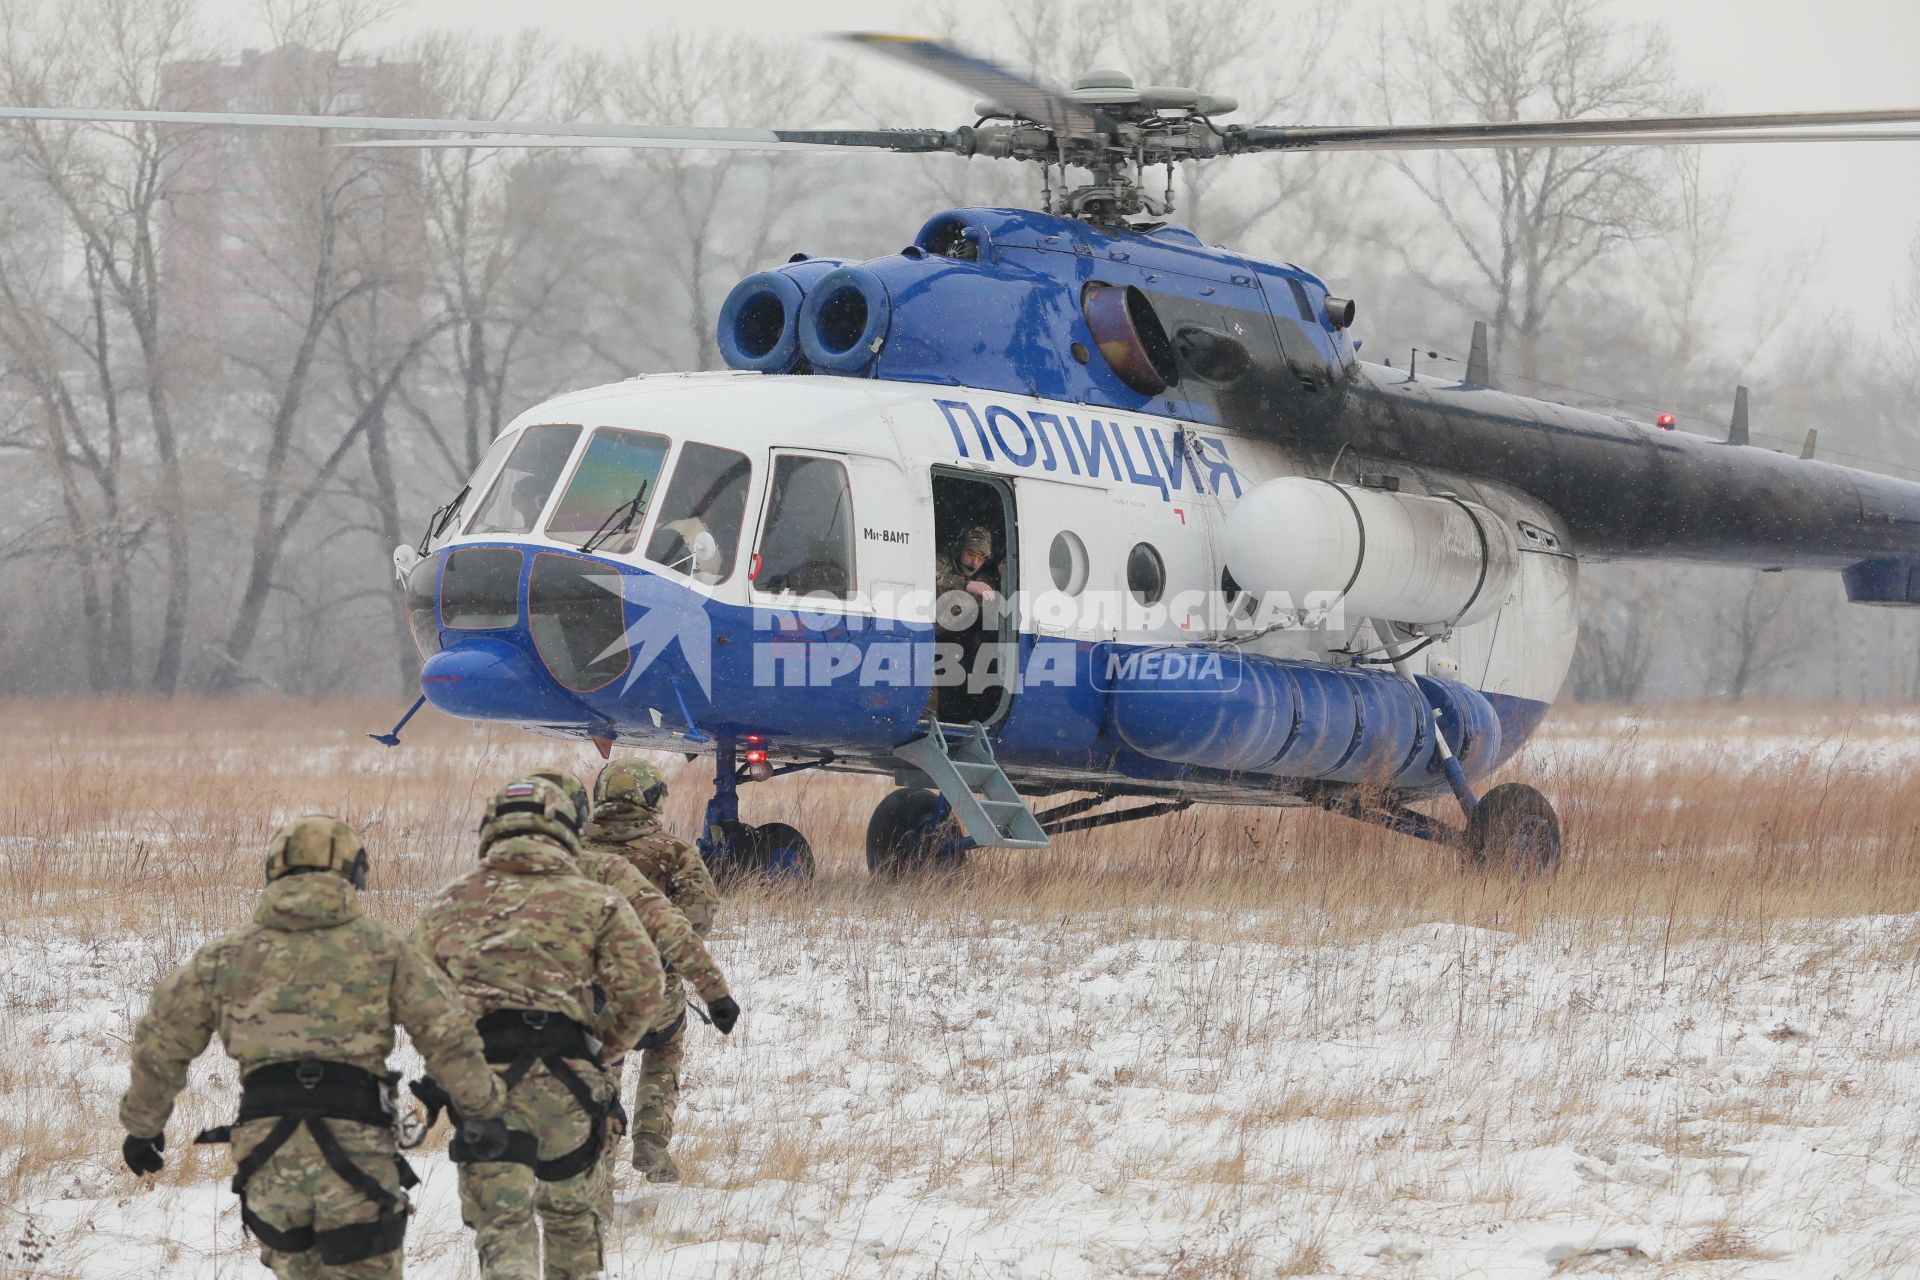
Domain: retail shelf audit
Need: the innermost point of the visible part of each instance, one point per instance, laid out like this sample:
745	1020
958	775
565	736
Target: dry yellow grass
922	1039
112	807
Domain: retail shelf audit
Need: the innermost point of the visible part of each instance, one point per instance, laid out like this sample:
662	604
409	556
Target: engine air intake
843	322
759	324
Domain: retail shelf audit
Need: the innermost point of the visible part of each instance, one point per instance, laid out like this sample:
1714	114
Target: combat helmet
530	807
317	842
630	783
978	539
570	783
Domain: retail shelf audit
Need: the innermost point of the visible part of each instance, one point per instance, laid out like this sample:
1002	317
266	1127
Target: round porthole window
1067	559
1146	574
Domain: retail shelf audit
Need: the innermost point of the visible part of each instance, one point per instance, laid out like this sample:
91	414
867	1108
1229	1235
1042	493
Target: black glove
143	1154
485	1140
433	1097
725	1012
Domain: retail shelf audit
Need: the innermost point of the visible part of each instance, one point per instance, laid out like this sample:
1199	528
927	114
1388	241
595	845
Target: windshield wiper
626	513
437	522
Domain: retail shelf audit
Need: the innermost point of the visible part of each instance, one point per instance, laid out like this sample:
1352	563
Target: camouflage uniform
947	573
627	795
681	947
949	577
527	941
309	985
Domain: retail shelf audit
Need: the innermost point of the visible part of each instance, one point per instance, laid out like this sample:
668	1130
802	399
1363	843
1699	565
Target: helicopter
1063	505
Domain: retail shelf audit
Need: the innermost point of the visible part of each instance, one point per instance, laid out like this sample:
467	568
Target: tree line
236	371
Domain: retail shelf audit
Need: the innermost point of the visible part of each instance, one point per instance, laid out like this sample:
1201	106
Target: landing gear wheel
902	838
780	853
1512	829
735	865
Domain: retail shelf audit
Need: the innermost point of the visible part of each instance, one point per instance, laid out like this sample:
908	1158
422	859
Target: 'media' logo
1183	670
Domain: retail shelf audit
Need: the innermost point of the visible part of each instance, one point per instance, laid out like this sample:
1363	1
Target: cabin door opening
975	580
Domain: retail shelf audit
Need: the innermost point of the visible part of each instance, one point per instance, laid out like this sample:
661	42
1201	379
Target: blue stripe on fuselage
818	682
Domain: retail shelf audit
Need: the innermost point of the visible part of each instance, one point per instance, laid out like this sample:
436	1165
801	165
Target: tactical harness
659	1037
309	1092
522	1037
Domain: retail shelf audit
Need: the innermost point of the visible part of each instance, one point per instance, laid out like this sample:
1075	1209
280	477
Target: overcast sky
1858	205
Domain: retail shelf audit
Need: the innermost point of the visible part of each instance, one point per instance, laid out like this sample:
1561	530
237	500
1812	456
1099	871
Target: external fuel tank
1435	561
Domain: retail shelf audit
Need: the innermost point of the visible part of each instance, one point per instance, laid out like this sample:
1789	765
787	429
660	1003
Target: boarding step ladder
990	810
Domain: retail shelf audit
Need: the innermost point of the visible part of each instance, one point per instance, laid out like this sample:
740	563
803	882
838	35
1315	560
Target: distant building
241	242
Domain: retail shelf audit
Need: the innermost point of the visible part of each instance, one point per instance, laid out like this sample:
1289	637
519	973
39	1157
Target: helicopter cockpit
591	489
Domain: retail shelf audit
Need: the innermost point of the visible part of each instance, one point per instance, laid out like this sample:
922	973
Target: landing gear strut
913	829
735	850
1512	828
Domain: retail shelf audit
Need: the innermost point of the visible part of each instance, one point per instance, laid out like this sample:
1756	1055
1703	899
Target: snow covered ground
1228	1044
1150	1094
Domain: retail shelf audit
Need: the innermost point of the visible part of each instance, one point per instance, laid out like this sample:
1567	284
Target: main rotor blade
585	144
1668	138
1039	103
1616	131
660	135
1657	138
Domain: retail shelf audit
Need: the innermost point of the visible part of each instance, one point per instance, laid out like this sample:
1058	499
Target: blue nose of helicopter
493	678
513	635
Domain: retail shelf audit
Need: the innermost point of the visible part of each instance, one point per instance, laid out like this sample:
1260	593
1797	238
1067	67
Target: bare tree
1752	635
1623	615
1688	262
1529	223
503	241
63	356
334	236
1906	330
112	184
698	221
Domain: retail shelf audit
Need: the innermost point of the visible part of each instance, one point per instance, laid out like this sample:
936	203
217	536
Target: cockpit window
806	544
469	497
610	491
699	529
520	492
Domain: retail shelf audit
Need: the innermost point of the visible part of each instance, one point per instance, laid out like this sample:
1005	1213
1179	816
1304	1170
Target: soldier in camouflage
681	947
959	572
626	805
305	1000
527	941
964	568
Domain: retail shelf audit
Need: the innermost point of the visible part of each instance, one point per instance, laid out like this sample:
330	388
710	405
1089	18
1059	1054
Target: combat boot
652	1159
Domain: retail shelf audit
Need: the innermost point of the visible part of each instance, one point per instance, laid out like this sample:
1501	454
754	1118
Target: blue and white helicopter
1209	555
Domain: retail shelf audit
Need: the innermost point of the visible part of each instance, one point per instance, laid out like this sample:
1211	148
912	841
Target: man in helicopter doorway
965	569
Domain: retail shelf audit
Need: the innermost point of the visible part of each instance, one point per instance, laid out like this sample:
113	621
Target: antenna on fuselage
1479	368
1737	432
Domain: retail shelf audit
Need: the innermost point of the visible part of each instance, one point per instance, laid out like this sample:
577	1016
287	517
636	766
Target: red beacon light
757	766
1664	422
